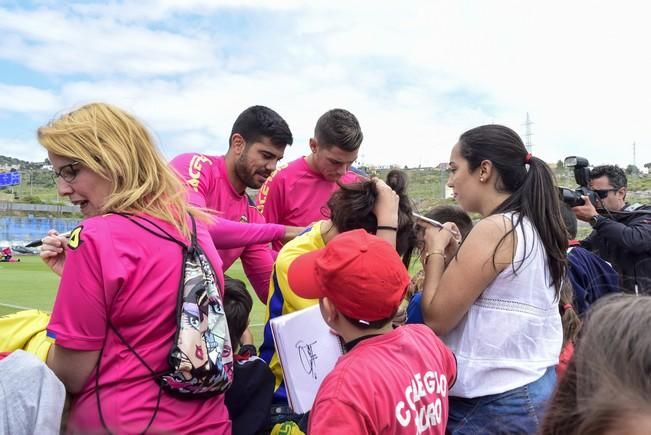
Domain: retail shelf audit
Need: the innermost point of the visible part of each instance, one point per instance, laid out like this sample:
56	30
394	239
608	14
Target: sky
417	74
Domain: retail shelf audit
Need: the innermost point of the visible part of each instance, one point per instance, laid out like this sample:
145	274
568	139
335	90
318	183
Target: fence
8	206
23	229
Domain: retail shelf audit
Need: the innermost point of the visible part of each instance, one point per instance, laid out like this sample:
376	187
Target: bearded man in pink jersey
257	142
296	194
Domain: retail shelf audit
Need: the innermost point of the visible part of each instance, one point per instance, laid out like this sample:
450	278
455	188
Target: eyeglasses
67	172
603	193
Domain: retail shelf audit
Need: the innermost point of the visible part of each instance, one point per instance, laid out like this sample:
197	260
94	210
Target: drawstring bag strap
166	236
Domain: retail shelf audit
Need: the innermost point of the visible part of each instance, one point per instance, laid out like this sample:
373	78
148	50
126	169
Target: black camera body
581	168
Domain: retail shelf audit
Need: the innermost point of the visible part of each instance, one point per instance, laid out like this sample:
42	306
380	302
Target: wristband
594	220
387	227
432	253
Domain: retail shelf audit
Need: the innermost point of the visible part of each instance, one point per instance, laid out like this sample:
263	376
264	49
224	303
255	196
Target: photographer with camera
621	232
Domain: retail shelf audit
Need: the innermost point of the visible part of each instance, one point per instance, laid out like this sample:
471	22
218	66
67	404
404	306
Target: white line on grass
18	307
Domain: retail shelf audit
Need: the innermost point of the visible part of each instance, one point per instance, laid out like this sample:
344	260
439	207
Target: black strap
141	359
99	405
193	235
166	236
97	370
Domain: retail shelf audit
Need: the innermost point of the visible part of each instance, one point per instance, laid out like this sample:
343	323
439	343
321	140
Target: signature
308	357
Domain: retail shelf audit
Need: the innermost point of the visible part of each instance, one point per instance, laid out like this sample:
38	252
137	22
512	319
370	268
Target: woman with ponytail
496	304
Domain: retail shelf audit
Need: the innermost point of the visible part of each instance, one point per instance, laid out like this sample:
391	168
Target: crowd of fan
509	325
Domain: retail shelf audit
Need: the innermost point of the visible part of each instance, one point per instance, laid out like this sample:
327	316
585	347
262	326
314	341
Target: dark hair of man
258	122
611	360
237	307
340	128
351	207
569	219
616	176
452	213
532	189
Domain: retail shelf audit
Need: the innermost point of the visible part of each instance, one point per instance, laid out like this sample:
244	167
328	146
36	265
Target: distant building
7	168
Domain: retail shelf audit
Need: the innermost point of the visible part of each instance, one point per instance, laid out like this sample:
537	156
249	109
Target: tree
632	170
648	166
559	164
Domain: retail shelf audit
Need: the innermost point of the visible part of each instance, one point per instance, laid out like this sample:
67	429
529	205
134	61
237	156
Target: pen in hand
438	224
39	242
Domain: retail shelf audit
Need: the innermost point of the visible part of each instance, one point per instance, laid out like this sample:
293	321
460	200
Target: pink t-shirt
395	383
297	195
209	187
120	271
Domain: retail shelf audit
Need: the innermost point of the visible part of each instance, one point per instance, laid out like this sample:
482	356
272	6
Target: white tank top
512	333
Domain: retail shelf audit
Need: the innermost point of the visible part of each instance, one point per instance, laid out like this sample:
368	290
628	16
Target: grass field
30	284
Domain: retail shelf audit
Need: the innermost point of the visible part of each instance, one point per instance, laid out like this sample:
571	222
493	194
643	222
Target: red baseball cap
360	273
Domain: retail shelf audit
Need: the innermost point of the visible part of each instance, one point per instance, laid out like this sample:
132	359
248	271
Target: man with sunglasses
621	232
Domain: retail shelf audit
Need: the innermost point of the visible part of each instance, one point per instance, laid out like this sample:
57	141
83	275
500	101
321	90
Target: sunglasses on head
602	193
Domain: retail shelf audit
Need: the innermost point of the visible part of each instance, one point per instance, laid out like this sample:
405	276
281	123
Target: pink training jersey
395	383
228	234
208	186
297	195
117	271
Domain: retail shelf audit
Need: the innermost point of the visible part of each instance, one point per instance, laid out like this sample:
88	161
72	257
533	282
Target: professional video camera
574	198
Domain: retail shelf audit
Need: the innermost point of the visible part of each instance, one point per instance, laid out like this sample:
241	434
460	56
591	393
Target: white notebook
307	351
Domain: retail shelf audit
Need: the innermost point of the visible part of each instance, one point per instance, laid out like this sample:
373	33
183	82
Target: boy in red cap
390	380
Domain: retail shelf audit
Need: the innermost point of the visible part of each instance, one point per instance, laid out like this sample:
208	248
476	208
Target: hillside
426	185
37	185
24	165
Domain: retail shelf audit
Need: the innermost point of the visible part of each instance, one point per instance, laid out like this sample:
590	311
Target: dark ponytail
531	186
569	317
351	207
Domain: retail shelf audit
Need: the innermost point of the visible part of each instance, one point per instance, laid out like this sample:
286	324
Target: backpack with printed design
201	358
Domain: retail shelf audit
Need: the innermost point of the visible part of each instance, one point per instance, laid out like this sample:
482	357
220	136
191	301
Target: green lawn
31	284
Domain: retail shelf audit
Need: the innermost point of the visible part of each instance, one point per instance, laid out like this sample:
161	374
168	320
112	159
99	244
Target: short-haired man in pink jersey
257	142
296	194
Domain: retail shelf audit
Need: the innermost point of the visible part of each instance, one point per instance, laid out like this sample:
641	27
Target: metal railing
8	206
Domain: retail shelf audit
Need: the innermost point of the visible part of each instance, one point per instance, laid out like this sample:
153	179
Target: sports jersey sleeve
227	234
282	300
90	280
194	170
336	416
257	262
271	197
414	313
